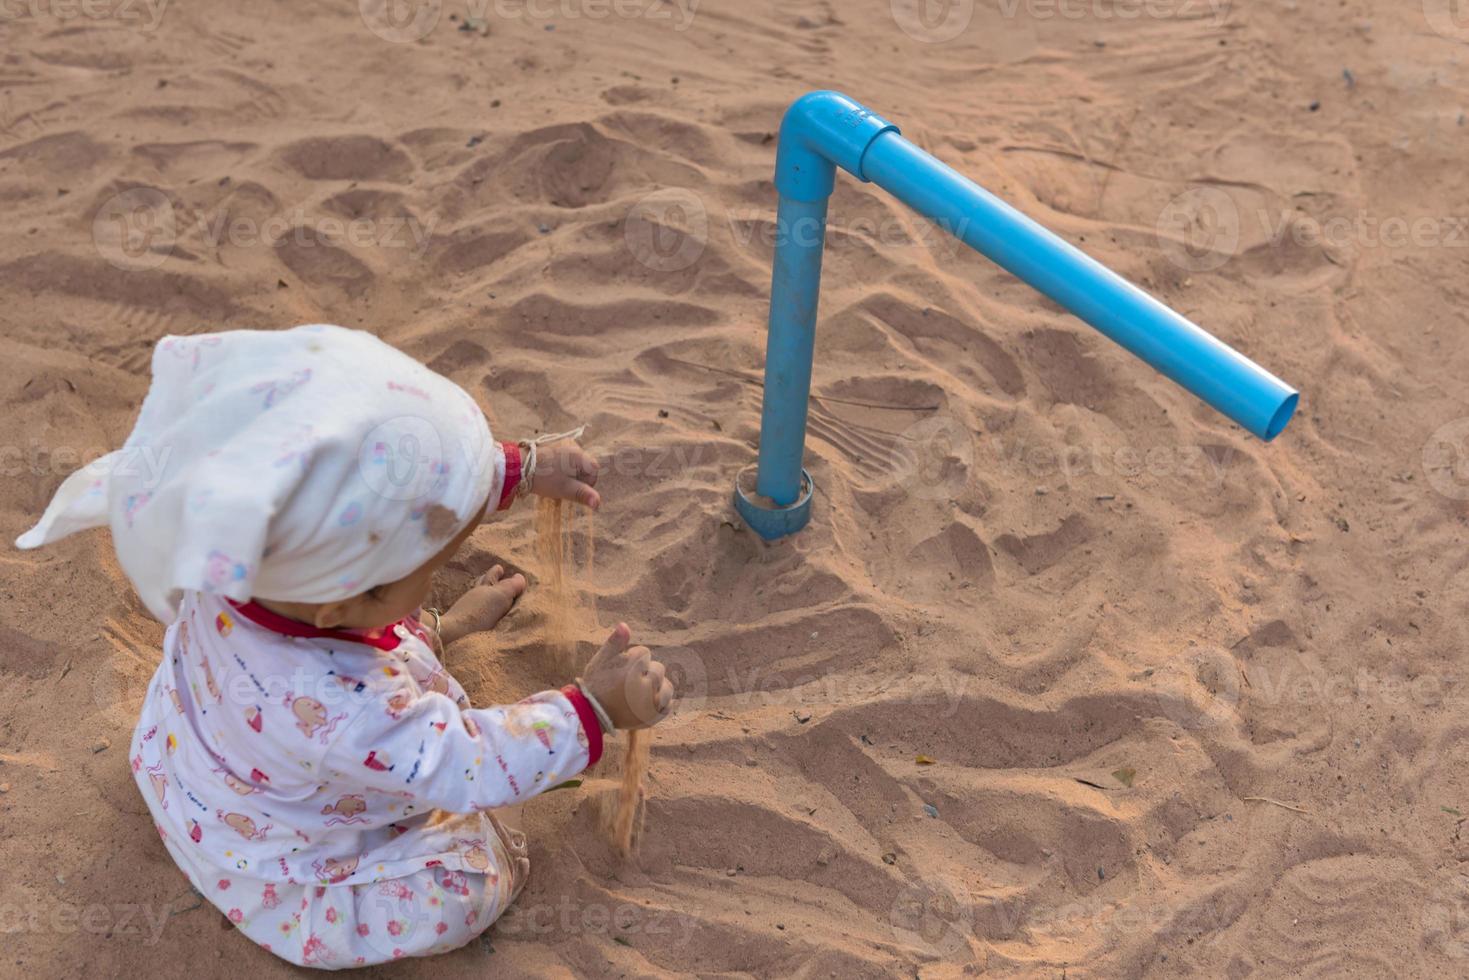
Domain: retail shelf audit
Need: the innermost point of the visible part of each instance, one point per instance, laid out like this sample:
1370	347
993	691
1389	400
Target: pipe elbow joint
820	132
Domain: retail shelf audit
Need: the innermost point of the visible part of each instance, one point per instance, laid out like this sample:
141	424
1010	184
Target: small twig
1266	799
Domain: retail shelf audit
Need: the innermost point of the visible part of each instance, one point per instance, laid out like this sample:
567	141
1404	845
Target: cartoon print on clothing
312	719
237	784
242	825
346	810
132	504
160	784
378	761
352	823
399	702
335	870
274	391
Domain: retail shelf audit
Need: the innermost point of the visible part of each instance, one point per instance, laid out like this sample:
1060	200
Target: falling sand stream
620	811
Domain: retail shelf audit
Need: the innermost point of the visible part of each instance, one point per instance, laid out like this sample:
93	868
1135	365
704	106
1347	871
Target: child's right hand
628	682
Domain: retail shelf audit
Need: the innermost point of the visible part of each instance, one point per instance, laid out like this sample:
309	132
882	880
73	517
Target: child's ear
330	615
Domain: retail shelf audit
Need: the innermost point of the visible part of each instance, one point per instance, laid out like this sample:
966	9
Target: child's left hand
565	471
484	605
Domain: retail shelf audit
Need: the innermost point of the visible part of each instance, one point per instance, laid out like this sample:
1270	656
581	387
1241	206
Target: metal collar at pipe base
774	522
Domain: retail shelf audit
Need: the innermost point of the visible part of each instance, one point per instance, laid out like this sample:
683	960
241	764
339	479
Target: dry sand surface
1078	572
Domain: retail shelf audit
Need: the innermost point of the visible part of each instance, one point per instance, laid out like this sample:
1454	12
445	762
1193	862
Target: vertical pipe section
1206	366
794	289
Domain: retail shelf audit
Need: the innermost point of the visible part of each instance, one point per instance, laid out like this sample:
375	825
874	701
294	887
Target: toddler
281	506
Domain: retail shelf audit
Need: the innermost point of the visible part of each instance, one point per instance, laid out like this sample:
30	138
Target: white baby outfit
295	779
327	790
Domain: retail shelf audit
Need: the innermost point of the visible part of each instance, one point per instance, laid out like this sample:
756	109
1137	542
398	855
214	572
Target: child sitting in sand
309	762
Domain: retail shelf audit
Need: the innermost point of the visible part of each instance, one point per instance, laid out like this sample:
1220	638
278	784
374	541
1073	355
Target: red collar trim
383	639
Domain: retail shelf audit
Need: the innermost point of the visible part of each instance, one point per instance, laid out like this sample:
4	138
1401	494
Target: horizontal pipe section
1176	347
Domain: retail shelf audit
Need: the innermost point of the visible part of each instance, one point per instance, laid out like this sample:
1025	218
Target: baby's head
316	469
382	604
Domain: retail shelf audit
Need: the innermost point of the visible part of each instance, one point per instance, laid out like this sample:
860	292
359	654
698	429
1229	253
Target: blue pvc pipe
1176	347
795	285
826	130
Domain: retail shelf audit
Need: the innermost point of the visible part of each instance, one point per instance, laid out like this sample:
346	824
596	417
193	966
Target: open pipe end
1282	416
763	515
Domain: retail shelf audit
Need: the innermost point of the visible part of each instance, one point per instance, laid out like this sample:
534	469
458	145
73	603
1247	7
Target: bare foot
484	605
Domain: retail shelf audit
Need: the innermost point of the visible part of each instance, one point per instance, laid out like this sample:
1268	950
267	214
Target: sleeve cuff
589	723
512	474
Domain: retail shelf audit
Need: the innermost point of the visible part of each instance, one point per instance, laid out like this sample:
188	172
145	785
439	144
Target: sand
620	802
1109	617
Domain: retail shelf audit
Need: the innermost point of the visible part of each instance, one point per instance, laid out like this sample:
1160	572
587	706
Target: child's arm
479	759
466	760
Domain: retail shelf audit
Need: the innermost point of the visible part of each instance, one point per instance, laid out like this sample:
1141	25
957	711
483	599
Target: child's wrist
603	718
520	472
